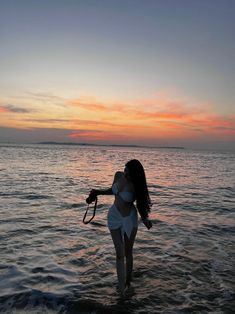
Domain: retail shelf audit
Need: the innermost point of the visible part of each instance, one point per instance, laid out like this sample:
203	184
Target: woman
127	187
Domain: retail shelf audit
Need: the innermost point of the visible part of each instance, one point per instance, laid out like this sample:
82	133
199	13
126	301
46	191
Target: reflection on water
52	263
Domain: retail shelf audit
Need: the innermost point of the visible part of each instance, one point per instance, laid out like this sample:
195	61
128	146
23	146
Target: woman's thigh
129	242
118	242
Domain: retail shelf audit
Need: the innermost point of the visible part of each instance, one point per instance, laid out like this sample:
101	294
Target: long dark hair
138	178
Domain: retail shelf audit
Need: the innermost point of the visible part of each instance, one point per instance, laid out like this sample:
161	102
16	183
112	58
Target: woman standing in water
127	187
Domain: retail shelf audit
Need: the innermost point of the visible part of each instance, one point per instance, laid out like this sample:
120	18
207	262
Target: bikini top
126	196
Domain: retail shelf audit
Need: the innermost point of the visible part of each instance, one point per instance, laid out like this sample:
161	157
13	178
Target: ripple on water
51	262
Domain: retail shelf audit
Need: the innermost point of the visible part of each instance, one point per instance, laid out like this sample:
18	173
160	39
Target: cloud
104	124
76	124
87	105
160	116
97	135
153	120
48	98
87	135
158	112
90	104
148	109
48	120
44	95
14	109
155	109
212	122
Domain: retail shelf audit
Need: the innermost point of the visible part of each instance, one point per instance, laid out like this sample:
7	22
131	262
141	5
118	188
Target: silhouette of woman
128	186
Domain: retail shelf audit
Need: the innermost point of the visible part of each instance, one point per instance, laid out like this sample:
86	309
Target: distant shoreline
107	145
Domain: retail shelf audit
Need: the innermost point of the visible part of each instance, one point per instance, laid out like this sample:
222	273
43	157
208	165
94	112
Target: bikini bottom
127	223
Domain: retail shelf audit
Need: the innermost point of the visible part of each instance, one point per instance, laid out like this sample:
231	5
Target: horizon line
94	144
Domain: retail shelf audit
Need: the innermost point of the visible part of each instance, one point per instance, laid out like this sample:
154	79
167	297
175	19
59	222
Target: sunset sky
147	72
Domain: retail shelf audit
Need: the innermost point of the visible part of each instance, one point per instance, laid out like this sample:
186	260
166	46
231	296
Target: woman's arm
109	191
102	192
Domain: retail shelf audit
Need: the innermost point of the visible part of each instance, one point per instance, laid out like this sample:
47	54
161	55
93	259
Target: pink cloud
155	111
3	110
95	135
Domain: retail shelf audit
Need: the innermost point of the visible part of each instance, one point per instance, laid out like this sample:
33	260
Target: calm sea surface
50	262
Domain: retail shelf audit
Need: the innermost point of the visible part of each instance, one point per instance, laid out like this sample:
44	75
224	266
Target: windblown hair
137	175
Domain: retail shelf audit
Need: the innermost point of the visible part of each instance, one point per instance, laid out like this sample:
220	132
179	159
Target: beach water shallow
52	263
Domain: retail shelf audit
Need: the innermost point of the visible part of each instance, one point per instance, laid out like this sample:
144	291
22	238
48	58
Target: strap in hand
84	218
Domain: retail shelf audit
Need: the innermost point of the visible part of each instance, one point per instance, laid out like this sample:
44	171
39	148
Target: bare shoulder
118	175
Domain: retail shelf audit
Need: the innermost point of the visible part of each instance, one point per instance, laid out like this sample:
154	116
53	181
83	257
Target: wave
23	195
34	196
220	229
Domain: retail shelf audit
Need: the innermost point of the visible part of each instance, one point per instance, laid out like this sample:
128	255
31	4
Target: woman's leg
129	256
119	248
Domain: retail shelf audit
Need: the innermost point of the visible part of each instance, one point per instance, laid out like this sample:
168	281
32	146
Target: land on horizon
115	145
92	144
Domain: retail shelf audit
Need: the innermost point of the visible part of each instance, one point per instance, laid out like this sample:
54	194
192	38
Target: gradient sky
148	72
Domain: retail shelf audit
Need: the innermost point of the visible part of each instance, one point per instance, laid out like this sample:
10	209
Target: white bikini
116	220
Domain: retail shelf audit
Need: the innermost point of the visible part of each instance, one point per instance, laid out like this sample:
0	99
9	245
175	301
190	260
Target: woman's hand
148	223
94	192
92	196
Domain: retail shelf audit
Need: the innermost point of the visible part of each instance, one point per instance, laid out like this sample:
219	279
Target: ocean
50	262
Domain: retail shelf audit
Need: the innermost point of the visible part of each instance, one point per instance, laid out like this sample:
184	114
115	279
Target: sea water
50	262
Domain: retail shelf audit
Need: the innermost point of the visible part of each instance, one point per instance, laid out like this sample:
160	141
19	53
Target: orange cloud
88	105
91	105
154	112
104	124
160	118
99	135
94	135
160	109
214	122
